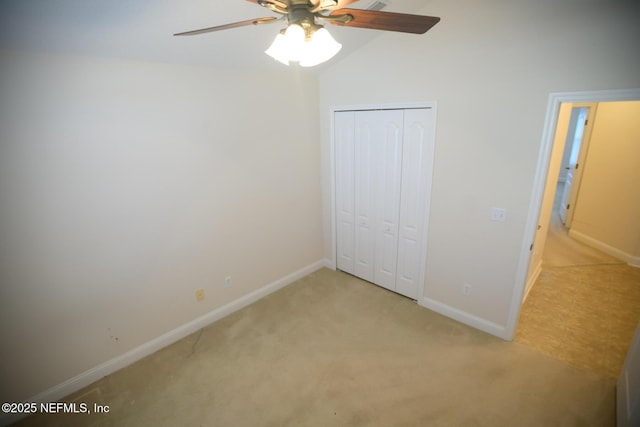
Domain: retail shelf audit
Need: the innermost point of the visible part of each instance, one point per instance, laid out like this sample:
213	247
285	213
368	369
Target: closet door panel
383	178
344	128
388	168
364	196
416	176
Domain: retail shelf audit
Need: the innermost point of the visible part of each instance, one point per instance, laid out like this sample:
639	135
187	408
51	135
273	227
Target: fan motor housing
301	15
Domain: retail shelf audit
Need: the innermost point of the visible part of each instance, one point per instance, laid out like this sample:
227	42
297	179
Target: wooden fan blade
388	21
227	26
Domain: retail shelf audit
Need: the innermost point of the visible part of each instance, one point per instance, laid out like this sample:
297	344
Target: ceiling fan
309	43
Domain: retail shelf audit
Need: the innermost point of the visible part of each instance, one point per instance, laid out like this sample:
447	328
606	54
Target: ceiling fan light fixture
288	45
320	48
309	48
309	44
278	50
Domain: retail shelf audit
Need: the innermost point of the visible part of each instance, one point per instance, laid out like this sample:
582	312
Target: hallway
584	307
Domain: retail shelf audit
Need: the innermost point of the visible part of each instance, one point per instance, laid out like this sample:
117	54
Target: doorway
574	155
591	305
607	210
567	163
540	178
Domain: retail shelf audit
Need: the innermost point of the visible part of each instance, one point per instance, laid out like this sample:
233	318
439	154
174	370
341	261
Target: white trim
427	209
464	317
92	375
537	191
329	264
387	106
614	252
585	141
532	280
332	189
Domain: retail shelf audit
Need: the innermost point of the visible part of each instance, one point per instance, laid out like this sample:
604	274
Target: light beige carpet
332	350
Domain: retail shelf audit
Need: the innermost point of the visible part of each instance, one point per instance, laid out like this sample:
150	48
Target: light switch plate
498	214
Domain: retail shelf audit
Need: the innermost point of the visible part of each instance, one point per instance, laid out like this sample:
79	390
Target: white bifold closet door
382	177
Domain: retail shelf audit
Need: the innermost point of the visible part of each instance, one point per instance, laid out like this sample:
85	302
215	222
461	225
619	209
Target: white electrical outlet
498	214
466	289
227	282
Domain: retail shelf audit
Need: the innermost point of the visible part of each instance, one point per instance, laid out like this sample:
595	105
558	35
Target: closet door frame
432	105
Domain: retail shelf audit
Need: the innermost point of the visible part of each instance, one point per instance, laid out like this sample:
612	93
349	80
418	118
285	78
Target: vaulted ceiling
143	29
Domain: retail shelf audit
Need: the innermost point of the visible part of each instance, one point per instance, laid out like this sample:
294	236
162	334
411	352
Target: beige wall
608	209
125	186
491	66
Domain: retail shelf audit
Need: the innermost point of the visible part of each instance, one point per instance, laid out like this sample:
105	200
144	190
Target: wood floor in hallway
585	306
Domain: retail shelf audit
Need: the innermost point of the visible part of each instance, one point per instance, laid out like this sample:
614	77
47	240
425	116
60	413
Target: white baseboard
532	279
329	264
92	375
633	261
466	318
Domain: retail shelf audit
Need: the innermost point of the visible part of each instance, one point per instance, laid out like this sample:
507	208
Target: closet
383	165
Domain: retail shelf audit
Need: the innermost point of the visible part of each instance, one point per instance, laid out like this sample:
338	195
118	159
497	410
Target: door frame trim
592	108
540	177
332	173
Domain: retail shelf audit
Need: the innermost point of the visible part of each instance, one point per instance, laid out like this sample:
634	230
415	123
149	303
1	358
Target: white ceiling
143	29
